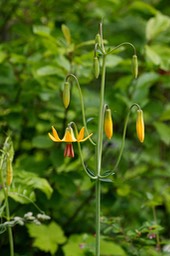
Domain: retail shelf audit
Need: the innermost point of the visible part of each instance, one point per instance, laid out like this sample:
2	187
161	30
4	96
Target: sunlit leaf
163	131
41	141
157	25
47	237
66	32
41	30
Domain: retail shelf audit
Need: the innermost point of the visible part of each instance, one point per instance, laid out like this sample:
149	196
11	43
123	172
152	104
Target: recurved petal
55	134
52	137
81	134
86	138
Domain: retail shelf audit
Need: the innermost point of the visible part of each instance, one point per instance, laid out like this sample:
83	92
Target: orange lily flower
69	137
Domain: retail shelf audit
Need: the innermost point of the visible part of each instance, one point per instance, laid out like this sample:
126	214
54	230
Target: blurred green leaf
157	25
163	131
48	70
143	7
135	172
3	56
41	141
110	248
47	237
22	194
31	182
41	30
66	33
159	55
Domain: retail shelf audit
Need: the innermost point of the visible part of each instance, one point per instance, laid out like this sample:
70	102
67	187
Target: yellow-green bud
108	124
96	67
140	127
98	39
66	94
135	65
66	33
9	172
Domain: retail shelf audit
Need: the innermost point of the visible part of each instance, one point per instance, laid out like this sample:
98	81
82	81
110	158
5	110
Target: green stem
5	191
157	233
99	146
9	228
83	164
118	46
82	104
93	177
97	217
124	135
101	118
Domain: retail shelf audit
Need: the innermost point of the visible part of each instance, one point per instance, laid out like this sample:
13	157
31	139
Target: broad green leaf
47	237
159	55
144	82
3	56
41	30
163	131
165	115
41	141
113	60
22	195
31	181
47	71
16	58
135	172
157	25
143	7
84	244
109	248
152	55
123	190
79	244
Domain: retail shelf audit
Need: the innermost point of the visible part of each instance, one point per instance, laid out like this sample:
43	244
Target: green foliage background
35	57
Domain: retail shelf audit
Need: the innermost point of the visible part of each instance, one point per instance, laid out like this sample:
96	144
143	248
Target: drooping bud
108	123
140	127
96	67
66	94
9	172
135	66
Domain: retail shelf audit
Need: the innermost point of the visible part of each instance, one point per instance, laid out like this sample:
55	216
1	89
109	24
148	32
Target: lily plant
105	123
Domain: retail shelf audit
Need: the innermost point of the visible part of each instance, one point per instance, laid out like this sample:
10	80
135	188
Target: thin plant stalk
99	153
98	195
5	191
10	235
157	233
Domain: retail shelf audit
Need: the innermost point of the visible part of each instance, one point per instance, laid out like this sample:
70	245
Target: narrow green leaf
105	180
41	30
66	33
47	71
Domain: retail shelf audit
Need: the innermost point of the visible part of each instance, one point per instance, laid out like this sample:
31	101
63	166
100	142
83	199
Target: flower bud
140	128
108	124
96	67
98	39
9	172
66	94
135	65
